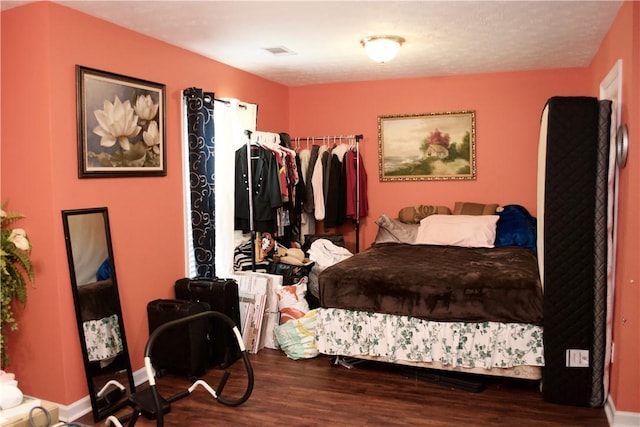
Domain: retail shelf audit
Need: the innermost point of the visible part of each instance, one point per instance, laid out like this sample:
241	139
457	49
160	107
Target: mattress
602	237
573	225
491	348
440	283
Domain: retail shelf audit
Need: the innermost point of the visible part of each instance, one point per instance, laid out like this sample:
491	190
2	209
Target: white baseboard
82	407
75	410
620	418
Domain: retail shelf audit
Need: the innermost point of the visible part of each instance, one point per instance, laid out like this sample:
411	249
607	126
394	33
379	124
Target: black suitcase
183	349
222	296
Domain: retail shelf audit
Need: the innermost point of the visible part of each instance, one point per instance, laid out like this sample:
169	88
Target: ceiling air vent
279	51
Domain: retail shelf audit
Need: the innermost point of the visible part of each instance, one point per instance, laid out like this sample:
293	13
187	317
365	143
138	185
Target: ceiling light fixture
382	48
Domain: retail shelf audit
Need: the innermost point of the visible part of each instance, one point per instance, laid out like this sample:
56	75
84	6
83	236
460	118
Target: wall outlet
577	358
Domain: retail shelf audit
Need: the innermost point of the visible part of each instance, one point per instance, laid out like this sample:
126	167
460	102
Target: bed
452	292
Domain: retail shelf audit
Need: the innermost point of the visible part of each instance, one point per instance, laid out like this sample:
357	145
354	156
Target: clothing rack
250	184
251	205
227	102
328	137
357	138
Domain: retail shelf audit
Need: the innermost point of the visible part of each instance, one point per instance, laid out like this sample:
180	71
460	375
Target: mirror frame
99	410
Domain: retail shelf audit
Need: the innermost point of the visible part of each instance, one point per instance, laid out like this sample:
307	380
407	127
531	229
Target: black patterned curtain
201	139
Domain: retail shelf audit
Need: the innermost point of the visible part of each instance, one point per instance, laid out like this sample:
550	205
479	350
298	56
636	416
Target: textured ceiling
442	37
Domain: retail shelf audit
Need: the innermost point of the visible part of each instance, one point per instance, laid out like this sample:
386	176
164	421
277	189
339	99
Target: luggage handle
200	284
165	305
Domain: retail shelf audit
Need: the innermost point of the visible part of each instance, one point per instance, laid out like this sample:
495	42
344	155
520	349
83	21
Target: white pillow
473	231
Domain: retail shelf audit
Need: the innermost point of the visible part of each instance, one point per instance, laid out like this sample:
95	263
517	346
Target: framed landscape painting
429	146
121	125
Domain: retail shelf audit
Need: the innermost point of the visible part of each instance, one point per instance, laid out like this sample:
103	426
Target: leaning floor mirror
98	312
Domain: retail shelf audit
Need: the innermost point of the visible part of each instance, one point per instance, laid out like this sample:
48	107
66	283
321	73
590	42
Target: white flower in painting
117	122
19	238
145	108
151	137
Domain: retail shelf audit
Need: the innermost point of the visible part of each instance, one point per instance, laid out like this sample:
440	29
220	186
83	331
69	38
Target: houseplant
15	270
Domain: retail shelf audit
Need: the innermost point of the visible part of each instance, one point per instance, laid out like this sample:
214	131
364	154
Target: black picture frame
121	125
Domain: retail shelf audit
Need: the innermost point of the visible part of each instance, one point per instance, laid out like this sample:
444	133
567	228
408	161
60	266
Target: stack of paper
259	313
272	314
252	292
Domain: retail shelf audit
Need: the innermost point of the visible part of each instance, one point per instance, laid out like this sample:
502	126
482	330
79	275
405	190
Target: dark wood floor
314	392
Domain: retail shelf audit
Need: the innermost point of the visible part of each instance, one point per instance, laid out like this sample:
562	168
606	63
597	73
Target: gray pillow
393	230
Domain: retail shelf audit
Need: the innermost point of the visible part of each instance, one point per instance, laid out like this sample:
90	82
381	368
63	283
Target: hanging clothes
287	167
296	194
308	157
265	187
317	181
350	159
300	196
332	178
304	157
292	174
335	197
309	204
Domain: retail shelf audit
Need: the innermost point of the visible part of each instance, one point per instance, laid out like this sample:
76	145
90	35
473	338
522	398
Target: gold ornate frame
428	146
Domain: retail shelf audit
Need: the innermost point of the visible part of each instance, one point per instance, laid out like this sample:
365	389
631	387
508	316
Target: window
231	118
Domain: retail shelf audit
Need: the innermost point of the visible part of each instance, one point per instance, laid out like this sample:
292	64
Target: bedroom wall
41	44
508	108
623	42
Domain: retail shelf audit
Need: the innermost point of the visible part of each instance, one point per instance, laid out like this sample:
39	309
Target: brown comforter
442	283
97	300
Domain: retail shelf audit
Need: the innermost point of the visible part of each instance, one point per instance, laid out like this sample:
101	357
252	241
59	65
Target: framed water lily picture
121	125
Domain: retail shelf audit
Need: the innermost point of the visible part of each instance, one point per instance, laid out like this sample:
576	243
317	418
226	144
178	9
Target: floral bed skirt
485	345
102	338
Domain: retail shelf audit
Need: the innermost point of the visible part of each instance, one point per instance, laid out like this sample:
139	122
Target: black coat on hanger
266	190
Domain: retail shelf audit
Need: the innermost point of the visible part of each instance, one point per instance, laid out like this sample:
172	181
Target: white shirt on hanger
317	182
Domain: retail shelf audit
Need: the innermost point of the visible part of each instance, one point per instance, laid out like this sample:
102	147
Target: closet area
285	186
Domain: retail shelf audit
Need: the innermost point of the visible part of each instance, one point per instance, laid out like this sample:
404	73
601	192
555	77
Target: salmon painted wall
508	108
623	42
41	44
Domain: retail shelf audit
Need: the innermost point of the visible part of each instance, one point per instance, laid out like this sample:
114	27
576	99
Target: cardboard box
19	415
